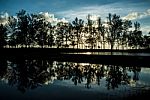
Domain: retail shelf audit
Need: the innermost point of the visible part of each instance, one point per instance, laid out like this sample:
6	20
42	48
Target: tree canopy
34	30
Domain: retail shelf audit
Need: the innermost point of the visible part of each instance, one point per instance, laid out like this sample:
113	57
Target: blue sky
136	10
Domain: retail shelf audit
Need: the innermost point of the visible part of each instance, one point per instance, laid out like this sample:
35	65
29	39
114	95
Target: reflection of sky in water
122	90
144	77
114	53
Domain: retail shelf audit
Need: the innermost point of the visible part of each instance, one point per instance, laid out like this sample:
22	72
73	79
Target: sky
135	10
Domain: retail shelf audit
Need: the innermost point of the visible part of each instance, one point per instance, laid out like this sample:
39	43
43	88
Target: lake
45	79
112	53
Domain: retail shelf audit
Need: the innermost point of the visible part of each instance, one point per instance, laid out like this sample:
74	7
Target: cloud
4	18
137	15
101	10
51	18
145	29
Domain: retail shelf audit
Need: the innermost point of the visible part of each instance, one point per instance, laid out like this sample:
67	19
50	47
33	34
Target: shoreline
66	55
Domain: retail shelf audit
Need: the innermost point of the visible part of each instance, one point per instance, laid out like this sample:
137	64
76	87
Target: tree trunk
112	45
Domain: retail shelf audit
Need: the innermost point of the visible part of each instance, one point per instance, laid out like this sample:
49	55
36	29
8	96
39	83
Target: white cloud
145	29
137	15
51	18
4	18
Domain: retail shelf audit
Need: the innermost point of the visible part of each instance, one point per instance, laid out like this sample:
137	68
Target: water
46	79
113	53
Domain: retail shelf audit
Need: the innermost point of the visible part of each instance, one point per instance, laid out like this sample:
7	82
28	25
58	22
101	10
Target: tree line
34	31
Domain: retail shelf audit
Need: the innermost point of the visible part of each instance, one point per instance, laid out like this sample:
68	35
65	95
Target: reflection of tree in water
135	71
116	75
3	67
29	74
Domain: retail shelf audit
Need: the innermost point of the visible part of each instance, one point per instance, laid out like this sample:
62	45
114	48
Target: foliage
33	30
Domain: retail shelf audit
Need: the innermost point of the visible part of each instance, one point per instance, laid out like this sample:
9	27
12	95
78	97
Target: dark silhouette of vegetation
77	26
3	36
136	39
30	74
33	30
114	29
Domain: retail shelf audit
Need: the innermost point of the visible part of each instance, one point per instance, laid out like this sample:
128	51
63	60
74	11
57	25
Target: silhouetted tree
50	37
125	33
60	35
66	28
136	38
90	39
33	28
146	41
12	31
3	36
23	28
69	37
42	32
101	31
77	26
114	29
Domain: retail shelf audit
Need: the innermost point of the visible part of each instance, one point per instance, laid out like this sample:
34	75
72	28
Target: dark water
45	80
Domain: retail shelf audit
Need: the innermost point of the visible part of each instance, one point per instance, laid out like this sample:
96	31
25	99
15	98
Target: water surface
45	79
112	53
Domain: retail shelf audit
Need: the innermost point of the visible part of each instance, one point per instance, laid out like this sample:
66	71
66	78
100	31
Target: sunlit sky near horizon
135	10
